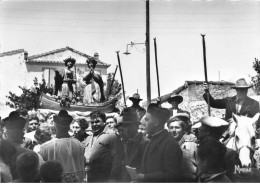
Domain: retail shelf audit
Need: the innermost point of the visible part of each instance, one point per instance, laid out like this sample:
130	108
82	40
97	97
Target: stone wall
194	103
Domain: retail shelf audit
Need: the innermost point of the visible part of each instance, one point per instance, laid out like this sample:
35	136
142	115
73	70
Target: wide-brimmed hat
211	122
14	121
135	96
177	98
241	84
70	59
63	118
158	112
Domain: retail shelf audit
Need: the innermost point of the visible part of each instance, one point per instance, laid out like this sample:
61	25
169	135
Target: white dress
91	93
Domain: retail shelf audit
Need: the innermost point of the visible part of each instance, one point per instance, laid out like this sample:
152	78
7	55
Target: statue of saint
64	79
94	91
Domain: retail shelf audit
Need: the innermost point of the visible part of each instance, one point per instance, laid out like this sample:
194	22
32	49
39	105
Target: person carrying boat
68	79
93	93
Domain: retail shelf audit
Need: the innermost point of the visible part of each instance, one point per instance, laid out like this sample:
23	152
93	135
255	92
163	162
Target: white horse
243	142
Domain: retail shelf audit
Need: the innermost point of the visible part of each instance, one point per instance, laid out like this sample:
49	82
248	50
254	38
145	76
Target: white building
19	69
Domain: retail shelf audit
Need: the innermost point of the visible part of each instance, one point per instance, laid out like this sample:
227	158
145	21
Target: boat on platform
48	102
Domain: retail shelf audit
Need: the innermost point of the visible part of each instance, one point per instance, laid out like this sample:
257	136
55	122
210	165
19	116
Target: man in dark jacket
212	128
102	151
240	104
162	157
135	144
140	111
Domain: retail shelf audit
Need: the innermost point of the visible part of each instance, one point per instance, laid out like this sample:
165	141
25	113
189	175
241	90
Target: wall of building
194	102
14	71
12	74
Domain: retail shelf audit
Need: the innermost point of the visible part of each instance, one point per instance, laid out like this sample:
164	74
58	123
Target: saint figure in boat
65	78
94	91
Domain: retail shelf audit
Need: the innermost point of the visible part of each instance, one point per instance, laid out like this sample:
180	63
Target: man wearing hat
136	107
162	157
134	145
239	104
175	100
14	125
68	151
212	128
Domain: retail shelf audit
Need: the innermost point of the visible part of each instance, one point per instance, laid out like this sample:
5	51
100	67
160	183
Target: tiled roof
33	59
11	52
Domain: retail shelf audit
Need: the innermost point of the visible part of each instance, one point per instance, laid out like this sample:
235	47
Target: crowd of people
140	145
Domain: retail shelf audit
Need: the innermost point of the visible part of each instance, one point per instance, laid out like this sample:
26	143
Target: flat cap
211	122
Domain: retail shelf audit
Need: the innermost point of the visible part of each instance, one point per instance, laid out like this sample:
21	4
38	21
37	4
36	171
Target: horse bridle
251	150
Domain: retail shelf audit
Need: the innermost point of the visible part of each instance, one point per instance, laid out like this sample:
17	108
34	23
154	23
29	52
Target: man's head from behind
27	167
62	121
155	118
211	155
51	172
15	127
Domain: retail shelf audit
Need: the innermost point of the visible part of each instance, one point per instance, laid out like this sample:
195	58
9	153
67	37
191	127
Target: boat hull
48	102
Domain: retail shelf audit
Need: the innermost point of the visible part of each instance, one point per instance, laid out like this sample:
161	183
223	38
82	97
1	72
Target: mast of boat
118	58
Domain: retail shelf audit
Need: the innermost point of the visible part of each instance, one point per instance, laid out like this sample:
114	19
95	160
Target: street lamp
131	44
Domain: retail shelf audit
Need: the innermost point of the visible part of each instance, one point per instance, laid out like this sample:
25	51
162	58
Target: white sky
232	31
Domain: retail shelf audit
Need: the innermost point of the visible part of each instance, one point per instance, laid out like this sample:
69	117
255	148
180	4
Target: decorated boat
48	102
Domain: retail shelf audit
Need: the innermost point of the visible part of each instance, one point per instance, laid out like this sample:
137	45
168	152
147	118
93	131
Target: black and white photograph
129	91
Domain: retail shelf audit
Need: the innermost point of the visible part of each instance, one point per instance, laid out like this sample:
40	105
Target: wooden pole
76	79
156	64
205	69
147	42
118	58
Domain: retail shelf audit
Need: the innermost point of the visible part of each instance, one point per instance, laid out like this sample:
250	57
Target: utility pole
147	42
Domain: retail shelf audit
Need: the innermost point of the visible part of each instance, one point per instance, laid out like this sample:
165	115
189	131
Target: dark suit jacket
135	148
162	159
249	108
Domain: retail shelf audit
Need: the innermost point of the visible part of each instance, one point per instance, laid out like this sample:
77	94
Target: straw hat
211	122
241	84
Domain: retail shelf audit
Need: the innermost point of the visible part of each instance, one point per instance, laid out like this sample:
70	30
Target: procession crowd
140	145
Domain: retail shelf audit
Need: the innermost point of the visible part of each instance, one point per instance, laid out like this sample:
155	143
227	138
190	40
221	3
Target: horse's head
245	134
